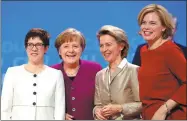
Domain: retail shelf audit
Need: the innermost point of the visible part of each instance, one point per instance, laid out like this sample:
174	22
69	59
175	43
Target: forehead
151	16
72	38
107	38
34	40
72	42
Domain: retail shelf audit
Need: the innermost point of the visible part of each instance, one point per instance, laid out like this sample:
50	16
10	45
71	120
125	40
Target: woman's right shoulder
15	69
102	71
56	66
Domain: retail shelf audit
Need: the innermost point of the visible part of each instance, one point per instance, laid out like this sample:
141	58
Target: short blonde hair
164	16
70	35
119	35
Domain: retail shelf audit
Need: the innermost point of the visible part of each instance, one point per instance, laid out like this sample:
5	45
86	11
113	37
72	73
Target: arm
97	101
59	113
7	96
176	62
133	108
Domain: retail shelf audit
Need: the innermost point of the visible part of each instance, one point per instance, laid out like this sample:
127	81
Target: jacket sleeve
60	98
7	96
176	62
97	97
133	108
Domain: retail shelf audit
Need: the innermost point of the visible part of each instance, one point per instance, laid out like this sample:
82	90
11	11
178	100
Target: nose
146	26
34	48
70	49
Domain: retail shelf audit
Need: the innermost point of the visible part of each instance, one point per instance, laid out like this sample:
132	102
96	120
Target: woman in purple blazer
79	75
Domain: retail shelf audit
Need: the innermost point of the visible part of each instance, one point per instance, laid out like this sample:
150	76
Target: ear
46	49
163	29
122	45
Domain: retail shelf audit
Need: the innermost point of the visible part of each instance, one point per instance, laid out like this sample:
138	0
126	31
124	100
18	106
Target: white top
25	97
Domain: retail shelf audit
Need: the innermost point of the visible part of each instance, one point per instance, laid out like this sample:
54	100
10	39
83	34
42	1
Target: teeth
147	33
107	54
71	55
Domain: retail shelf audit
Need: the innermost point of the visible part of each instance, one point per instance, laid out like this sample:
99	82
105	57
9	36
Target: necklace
73	72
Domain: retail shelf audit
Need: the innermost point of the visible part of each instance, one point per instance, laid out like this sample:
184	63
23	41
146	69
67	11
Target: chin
148	38
71	61
108	60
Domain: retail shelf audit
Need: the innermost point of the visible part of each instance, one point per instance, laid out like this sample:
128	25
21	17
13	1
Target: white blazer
26	96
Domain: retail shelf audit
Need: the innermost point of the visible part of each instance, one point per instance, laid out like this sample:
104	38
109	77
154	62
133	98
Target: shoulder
52	71
91	64
132	66
171	49
56	66
16	69
143	47
101	72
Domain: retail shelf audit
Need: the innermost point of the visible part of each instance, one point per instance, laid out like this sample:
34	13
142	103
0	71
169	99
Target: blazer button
73	98
34	84
34	103
35	75
34	93
73	109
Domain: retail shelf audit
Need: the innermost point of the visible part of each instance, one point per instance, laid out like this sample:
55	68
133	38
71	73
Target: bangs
69	37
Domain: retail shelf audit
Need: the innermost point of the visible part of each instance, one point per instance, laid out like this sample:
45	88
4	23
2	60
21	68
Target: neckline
159	47
65	74
31	73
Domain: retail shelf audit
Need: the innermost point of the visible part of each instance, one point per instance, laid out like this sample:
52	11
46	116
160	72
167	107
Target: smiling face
151	27
35	50
71	51
110	49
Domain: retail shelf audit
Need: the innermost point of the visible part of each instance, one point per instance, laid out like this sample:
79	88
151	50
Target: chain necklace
73	73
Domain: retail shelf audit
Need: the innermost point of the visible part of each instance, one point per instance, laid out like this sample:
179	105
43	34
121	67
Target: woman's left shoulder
133	66
51	70
90	64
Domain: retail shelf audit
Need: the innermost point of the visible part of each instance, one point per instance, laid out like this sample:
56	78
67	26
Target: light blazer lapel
106	78
118	70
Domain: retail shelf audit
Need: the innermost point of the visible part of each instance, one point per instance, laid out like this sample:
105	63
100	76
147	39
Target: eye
75	46
39	44
101	45
108	44
143	22
30	44
65	46
152	23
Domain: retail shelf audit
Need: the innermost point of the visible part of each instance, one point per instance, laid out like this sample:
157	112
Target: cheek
158	31
79	51
62	51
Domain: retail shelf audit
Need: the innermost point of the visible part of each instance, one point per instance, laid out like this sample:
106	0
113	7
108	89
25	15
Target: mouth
34	54
107	54
70	56
147	33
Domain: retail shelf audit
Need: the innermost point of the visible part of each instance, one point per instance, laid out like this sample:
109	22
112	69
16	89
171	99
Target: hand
99	115
160	114
69	117
111	109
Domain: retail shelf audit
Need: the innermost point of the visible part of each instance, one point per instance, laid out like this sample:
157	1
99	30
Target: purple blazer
80	92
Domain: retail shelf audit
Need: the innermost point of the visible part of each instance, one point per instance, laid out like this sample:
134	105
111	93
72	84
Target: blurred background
18	17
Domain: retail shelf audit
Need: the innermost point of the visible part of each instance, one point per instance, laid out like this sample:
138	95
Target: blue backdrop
20	16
